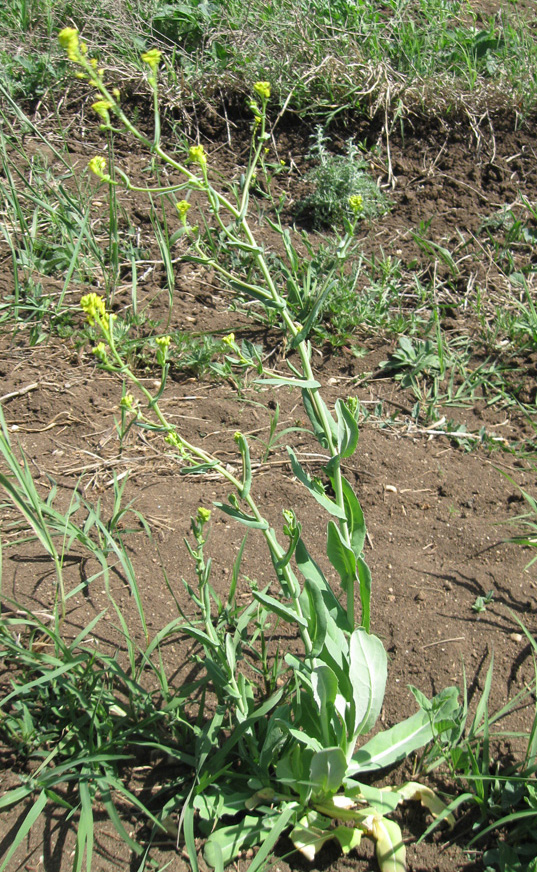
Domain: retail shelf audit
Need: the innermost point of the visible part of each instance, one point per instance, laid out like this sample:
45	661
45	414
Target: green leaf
314	576
355	518
317	617
84	836
302	383
325	685
327	771
341	556
198	468
347	431
368	673
278	608
25	827
284	817
364	577
313	315
308	836
189	834
247	520
321	498
348	838
220	800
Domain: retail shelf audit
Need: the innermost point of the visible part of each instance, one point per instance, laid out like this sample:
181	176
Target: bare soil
434	506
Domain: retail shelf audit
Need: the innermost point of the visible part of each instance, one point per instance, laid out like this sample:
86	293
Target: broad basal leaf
395	744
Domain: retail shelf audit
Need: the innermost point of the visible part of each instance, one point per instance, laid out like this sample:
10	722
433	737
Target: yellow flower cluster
173	439
203	515
163	342
127	402
102	108
100	352
152	58
262	89
98	166
94	307
356	203
182	207
197	155
68	39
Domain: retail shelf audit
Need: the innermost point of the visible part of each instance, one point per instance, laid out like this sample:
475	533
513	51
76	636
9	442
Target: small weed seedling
481	603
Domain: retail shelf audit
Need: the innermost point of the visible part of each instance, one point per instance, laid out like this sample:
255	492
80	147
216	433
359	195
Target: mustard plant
288	761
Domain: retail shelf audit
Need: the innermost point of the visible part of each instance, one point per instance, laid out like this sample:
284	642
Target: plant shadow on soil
432	507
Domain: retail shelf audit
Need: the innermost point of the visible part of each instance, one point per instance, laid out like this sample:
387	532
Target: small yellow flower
68	39
152	58
356	203
117	93
197	155
203	515
163	341
229	340
262	89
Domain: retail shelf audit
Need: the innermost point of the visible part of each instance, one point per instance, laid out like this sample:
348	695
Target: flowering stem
239	234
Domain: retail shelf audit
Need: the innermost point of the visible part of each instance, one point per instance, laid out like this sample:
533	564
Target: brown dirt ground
433	509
